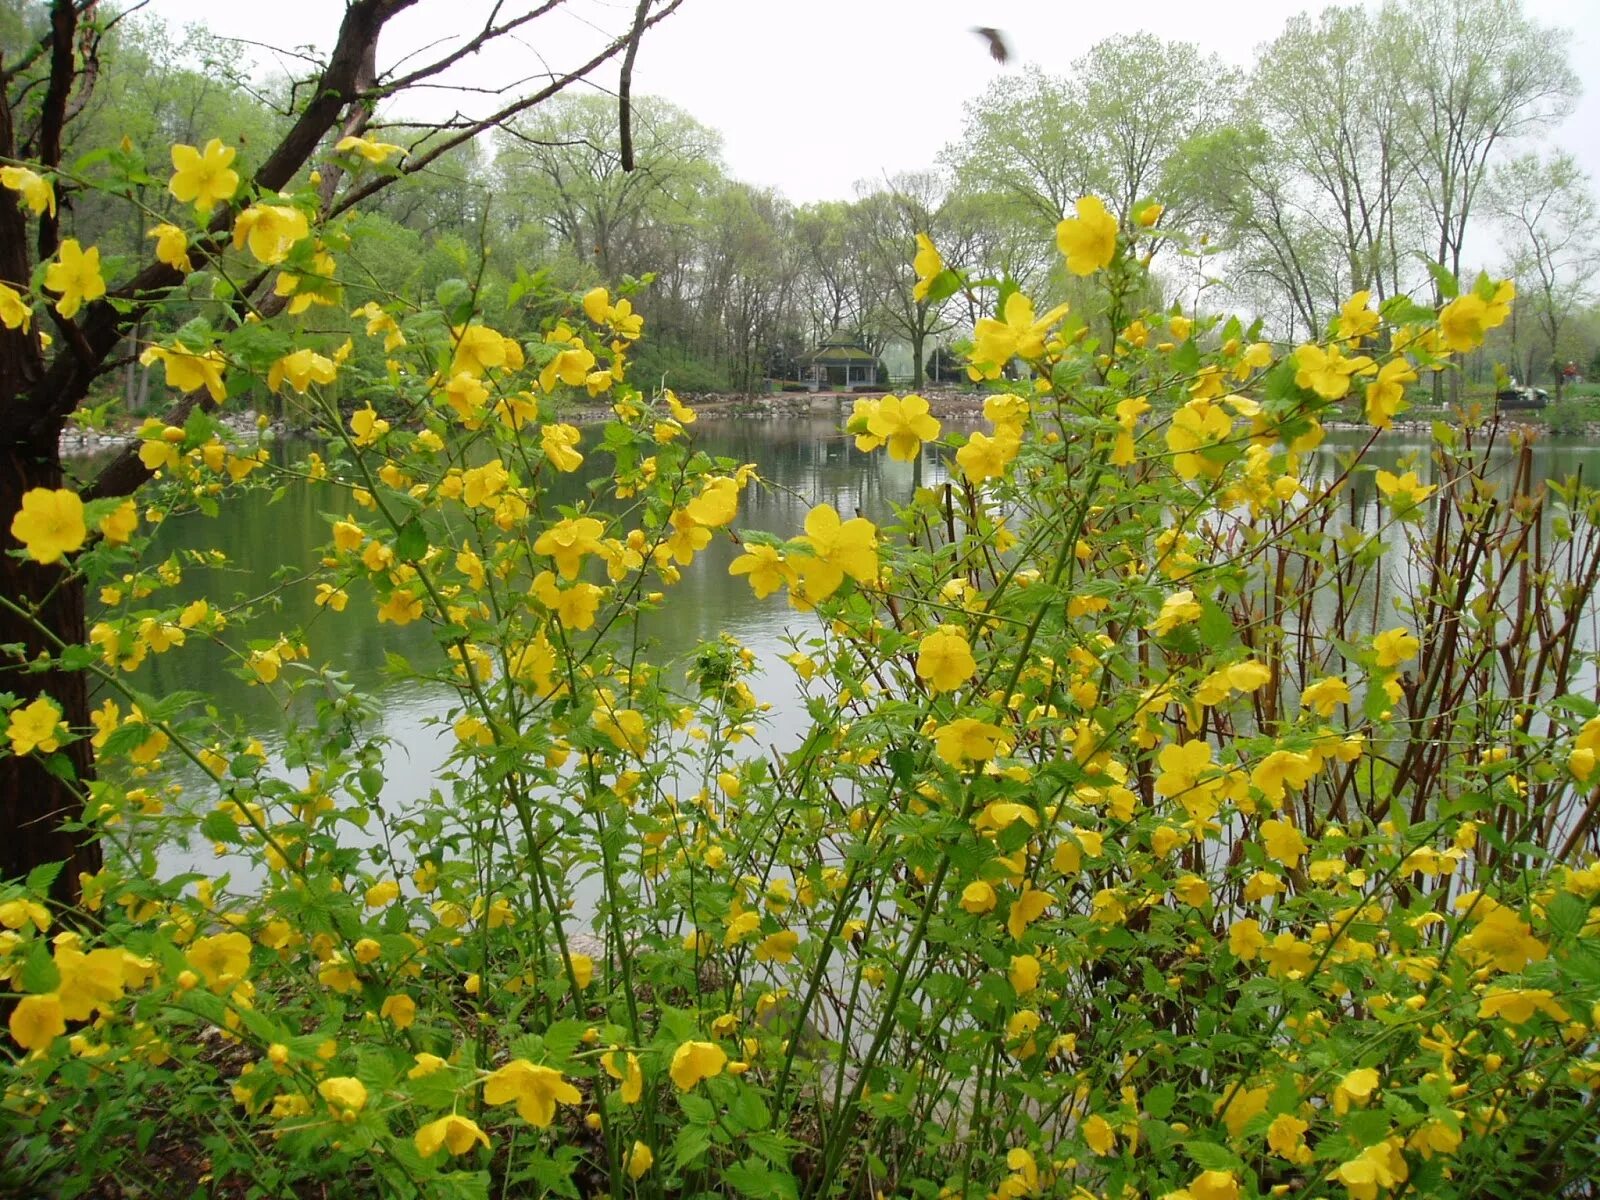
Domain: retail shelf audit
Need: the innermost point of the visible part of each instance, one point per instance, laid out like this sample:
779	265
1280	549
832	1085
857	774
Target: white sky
812	95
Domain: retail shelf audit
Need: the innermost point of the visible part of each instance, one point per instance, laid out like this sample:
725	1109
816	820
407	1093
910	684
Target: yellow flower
1283	842
401	1009
1286	1138
271	230
1088	240
402	608
945	659
1098	1135
1381	1165
204	177
50	524
985	457
172	246
300	370
1464	321
1356	320
969	740
35	727
777	947
1326	371
838	548
568	540
631	1078
978	898
188	372
1404	492
903	424
1387	393
1026	909
1023	973
535	1089
1245	939
764	567
1196	426
75	274
455	1133
1017	335
1280	770
1517	1005
223	959
639	1160
694	1061
927	264
717	504
1180	608
1192	890
560	446
1395	646
36	1021
1214	1185
14	313
345	1094
376	153
367	426
1503	940
37	192
14	914
1355	1088
1325	695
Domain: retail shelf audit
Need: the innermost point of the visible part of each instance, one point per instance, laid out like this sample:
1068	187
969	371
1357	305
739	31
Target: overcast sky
812	95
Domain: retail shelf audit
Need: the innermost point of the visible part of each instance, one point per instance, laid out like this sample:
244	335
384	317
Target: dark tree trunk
33	802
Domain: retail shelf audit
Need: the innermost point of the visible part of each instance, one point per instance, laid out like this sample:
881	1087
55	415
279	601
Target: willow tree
48	78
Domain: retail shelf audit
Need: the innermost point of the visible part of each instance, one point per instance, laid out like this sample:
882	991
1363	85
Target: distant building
840	363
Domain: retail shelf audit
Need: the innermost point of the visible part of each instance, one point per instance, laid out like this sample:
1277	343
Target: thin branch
625	86
353	198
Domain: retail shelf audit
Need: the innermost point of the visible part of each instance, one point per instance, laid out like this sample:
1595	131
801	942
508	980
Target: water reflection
805	460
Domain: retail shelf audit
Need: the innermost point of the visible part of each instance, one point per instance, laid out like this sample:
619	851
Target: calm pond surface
807	460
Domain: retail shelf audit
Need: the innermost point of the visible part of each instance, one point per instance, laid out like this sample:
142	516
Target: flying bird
998	50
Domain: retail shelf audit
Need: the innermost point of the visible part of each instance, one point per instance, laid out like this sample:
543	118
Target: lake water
807	461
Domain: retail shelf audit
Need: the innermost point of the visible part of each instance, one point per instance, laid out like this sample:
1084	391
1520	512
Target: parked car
1523	397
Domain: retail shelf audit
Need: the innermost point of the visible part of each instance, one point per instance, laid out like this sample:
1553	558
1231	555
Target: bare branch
625	86
471	131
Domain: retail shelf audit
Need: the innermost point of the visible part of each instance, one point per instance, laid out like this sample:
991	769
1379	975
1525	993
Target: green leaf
1216	630
1186	358
750	1110
412	542
943	285
41	877
761	1182
39	973
1158	1101
1211	1157
1447	283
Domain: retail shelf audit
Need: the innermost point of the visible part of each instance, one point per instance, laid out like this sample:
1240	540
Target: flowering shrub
1138	844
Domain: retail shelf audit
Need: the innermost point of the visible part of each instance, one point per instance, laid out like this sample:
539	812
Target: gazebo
840	363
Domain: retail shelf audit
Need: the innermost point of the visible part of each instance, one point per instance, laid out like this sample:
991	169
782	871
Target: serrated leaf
39	973
1211	1157
41	877
761	1182
1448	286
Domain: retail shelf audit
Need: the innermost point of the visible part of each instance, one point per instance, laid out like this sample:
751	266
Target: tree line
1423	147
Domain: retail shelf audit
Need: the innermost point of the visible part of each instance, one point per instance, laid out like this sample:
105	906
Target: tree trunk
33	802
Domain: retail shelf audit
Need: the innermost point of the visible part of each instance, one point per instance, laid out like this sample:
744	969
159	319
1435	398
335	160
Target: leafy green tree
563	166
1550	222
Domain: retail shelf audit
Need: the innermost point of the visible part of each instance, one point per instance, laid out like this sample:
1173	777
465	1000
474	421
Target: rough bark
34	803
